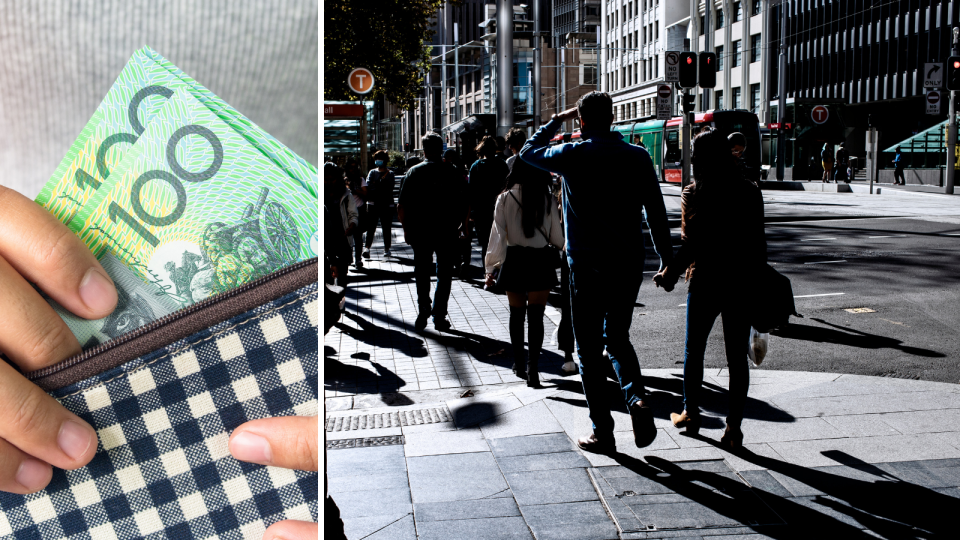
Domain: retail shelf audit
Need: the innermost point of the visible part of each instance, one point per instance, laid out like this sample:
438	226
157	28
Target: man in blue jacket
603	291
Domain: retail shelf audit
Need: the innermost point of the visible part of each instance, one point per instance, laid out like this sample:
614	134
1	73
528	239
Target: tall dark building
571	16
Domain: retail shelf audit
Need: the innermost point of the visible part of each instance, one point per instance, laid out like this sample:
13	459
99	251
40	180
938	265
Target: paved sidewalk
411	454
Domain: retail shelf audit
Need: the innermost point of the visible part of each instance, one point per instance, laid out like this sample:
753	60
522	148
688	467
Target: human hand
289	442
488	282
568	114
663	280
37	432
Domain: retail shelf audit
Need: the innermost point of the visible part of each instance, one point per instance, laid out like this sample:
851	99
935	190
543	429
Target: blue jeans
423	268
704	304
602	297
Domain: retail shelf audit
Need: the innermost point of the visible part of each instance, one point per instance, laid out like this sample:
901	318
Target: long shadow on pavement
842	335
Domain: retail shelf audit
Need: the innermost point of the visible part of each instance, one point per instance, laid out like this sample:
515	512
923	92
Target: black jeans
898	173
423	267
565	340
358	232
383	214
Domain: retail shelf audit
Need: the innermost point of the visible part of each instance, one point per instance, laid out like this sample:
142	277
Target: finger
47	253
292	530
36	424
289	442
32	335
20	473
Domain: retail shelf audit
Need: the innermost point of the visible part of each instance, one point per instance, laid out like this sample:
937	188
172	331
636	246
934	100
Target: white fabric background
58	59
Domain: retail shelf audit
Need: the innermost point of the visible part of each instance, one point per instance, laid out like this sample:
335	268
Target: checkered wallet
164	400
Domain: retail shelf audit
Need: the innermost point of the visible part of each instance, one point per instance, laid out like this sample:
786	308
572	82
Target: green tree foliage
385	36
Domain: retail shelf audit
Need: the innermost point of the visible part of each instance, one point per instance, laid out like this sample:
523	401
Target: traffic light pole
952	130
687	123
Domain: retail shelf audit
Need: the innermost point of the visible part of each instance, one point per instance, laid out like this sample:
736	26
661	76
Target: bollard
878	191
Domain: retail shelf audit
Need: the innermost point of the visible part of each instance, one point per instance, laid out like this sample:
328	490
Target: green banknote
195	209
138	93
296	166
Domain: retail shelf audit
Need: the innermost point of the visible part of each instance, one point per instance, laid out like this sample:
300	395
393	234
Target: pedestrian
488	177
723	245
603	293
433	208
464	252
563	335
898	163
738	145
356	185
637	141
380	203
843	161
526	226
826	158
341	219
501	148
515	140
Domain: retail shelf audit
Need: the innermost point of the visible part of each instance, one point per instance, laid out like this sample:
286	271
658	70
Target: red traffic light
956	65
689	59
708	59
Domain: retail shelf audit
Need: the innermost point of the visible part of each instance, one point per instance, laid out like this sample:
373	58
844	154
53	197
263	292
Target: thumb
289	442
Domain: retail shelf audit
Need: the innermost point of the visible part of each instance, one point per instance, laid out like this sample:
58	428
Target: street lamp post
782	90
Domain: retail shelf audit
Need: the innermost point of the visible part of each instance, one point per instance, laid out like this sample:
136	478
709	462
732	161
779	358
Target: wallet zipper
244	298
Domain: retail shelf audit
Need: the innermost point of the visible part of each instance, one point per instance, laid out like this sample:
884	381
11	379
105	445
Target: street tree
387	37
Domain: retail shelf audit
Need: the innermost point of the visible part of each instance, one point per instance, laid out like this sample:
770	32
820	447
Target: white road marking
815	239
891	236
826	262
682	305
952	234
814	295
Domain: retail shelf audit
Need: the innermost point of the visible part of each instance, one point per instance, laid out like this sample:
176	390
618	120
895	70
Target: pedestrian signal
688	70
708	70
688	101
953	73
407	147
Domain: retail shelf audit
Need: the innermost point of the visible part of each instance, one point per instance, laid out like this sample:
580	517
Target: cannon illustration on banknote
263	240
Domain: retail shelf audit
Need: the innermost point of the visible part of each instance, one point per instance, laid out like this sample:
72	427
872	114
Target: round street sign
819	114
933	97
664	90
673	58
360	81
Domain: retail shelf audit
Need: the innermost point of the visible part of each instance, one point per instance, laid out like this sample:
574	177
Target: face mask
378	163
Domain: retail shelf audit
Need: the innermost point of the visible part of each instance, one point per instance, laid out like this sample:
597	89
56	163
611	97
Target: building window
701	24
656	69
756	7
656	32
736	61
636	73
737	11
736	99
629	75
719	100
469	109
703	101
719	51
755	98
633	113
719	14
754	48
588	74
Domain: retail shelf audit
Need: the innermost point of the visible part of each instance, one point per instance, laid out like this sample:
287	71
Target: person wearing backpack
723	244
526	226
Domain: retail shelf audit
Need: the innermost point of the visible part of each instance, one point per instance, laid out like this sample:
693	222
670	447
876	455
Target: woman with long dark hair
526	223
488	176
723	246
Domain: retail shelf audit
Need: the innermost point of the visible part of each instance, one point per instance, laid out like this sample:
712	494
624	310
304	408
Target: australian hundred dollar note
195	209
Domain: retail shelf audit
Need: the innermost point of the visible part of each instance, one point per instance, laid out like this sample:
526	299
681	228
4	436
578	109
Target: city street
431	436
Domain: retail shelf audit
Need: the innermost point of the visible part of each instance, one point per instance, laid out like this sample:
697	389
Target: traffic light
953	73
688	102
688	70
708	70
407	147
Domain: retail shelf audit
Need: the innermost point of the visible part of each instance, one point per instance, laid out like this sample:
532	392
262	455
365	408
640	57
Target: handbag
164	399
777	306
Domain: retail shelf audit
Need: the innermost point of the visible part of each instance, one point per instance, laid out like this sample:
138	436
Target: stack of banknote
180	196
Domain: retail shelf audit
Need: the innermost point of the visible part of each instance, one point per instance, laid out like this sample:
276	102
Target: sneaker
366	254
644	430
359	264
386	253
422	320
570	368
591	443
441	324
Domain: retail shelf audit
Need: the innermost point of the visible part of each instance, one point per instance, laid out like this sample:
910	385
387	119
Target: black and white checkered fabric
163	468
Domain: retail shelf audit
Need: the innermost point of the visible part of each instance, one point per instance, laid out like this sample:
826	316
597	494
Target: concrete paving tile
369	460
504	528
367	482
471	411
531	444
362	433
365	526
378	502
690	515
548	487
403	529
432	443
868	449
528	420
923	421
682	454
570	521
949	492
764	482
528	395
543	462
474	509
738	462
455	477
862	425
929	477
870	403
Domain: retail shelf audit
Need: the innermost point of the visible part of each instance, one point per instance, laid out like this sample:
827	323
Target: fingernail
97	292
74	439
32	474
249	447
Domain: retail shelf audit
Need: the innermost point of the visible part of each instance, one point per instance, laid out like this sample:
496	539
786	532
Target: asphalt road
905	270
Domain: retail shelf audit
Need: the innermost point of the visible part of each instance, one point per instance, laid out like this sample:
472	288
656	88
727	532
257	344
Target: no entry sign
664	91
933	102
819	114
360	81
